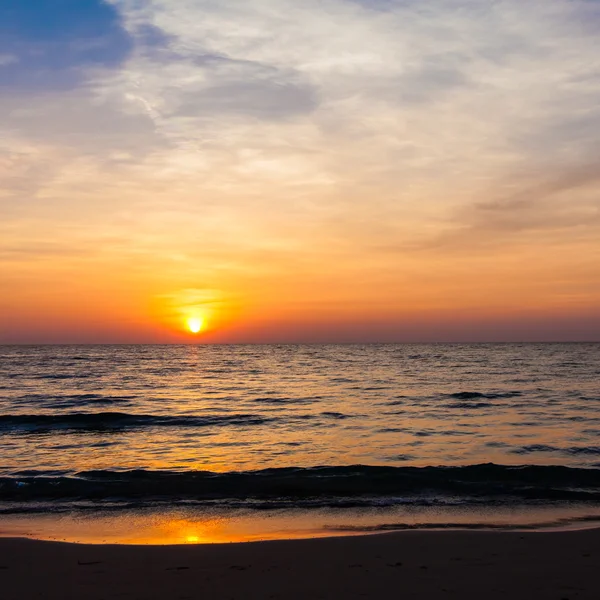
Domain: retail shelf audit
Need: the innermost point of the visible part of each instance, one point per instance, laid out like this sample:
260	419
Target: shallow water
190	525
242	428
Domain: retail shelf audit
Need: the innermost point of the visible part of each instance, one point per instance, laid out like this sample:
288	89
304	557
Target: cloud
558	209
81	121
430	80
568	181
247	89
382	5
556	202
58	144
8	59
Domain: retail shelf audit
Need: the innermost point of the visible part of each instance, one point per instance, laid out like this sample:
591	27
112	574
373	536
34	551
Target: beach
414	564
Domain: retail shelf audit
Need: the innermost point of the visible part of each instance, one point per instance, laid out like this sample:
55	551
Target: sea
223	443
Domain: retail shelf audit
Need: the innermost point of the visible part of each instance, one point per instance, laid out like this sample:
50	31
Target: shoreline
178	526
412	564
322	534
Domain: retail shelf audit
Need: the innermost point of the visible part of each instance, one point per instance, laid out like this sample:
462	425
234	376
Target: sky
284	171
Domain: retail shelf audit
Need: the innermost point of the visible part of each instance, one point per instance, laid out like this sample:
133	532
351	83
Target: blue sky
49	44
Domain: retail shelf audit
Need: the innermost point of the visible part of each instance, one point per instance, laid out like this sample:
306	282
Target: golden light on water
195	324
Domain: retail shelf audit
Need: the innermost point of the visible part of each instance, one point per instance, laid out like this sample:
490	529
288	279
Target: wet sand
416	564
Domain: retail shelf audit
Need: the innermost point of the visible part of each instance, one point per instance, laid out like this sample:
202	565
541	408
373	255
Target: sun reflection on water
187	527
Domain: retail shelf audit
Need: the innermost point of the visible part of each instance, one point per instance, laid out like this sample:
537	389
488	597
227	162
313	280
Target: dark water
283	427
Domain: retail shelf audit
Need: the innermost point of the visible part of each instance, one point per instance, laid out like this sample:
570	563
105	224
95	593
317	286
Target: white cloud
8	59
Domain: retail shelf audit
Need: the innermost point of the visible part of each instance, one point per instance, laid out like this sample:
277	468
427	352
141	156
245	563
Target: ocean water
272	440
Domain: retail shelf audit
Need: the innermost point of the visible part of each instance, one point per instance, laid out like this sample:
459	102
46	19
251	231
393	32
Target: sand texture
433	564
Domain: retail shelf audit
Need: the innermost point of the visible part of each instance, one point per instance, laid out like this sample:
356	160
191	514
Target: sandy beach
433	564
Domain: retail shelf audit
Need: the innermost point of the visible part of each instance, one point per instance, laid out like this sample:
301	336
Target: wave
72	400
383	527
276	400
467	399
484	395
545	448
117	421
474	400
316	486
336	415
469	405
62	376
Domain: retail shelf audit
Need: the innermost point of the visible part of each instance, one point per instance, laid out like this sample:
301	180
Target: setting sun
195	324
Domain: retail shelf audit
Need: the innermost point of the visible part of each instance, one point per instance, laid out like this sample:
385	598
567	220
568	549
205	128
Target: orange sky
319	171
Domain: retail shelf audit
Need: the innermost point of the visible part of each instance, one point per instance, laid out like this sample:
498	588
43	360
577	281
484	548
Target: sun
195	324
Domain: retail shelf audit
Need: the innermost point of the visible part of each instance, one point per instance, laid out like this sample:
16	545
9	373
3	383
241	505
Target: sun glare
195	324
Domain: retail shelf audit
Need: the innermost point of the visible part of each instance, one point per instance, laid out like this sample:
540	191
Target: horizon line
413	343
